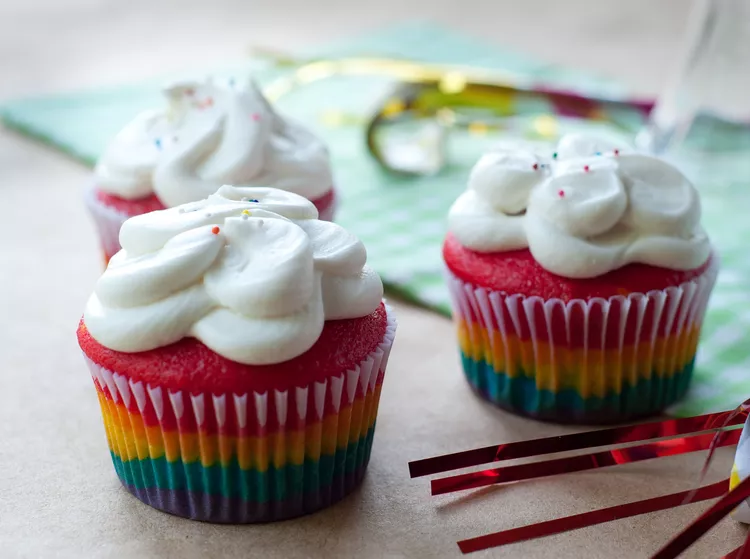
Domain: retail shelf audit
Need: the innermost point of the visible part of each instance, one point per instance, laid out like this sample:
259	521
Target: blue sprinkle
253	200
598	153
157	143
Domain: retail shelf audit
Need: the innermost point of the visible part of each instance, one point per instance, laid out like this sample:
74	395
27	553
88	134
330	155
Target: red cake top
516	271
189	365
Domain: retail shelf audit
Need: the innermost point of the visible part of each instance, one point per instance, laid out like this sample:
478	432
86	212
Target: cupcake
741	470
238	346
207	135
579	281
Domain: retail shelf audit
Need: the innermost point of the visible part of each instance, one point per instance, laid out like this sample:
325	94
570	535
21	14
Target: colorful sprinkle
598	153
215	230
586	168
554	155
255	117
617	152
246	212
157	143
535	166
561	193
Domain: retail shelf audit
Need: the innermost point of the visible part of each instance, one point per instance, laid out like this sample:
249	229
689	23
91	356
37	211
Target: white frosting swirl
586	211
209	135
250	272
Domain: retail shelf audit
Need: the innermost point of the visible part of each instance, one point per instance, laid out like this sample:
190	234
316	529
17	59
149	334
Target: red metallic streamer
592	518
742	552
576	441
705	522
585	462
740	412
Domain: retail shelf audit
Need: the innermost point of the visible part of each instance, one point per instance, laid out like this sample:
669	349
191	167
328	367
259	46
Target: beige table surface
59	496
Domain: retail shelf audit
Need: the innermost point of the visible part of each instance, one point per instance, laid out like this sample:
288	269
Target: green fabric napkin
402	221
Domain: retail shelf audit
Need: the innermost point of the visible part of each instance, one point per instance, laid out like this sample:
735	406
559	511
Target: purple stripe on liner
224	510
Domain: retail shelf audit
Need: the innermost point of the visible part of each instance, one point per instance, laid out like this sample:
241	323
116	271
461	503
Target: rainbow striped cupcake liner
582	361
243	458
740	471
108	220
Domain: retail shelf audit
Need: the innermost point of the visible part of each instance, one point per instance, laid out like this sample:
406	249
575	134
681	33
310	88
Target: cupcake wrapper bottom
242	458
581	361
108	220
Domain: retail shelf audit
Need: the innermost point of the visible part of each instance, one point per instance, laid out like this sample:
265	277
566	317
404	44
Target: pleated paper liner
109	220
581	361
243	458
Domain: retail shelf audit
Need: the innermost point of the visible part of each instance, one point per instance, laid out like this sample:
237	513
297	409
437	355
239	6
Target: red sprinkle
617	152
586	168
256	116
535	166
215	230
561	193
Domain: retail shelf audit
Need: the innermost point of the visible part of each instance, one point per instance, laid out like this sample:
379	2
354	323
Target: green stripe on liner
275	484
520	393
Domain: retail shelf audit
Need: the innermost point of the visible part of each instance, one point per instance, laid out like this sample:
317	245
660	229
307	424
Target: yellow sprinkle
334	119
546	126
452	82
446	116
478	128
393	107
246	212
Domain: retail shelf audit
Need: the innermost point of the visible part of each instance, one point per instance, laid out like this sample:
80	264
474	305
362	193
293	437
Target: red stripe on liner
577	441
705	522
585	462
592	518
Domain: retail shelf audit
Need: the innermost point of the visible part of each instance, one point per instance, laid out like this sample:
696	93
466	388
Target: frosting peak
208	135
248	271
586	211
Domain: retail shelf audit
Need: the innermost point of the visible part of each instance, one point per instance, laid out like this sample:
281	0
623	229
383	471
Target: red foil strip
559	525
742	552
576	441
705	522
585	462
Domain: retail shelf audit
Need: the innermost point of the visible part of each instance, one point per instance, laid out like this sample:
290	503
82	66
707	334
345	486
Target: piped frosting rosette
250	272
741	470
588	210
208	134
211	134
553	320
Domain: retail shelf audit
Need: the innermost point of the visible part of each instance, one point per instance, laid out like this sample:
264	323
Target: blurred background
50	45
